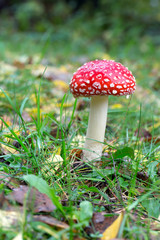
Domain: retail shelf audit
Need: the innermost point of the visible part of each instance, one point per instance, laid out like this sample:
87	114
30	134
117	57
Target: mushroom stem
96	128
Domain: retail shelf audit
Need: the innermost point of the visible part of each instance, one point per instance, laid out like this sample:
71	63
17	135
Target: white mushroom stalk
96	129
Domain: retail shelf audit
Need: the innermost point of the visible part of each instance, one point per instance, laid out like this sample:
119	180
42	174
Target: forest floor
44	191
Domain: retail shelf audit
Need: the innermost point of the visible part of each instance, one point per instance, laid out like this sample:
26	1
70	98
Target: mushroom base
93	152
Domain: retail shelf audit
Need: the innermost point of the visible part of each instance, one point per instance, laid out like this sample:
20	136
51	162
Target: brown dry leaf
143	176
142	133
112	231
51	73
36	201
81	105
50	221
155	140
101	222
146	136
18	64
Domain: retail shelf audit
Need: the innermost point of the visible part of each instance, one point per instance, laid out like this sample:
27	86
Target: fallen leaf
50	221
61	85
143	175
18	237
101	222
52	164
8	150
51	73
142	133
112	231
81	105
6	68
36	201
117	106
18	64
154	126
10	219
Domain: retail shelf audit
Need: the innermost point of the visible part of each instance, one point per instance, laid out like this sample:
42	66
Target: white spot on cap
92	92
104	91
87	81
106	80
78	76
105	86
97	85
112	85
118	86
114	91
99	76
91	74
82	90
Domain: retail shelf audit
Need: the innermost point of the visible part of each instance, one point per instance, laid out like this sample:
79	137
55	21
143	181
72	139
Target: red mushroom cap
102	77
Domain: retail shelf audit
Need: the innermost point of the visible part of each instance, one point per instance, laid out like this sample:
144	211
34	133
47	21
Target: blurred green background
73	32
68	31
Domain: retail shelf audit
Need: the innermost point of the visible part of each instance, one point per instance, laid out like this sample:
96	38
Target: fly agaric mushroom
98	79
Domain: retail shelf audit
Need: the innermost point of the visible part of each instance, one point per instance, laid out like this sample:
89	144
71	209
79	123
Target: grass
128	177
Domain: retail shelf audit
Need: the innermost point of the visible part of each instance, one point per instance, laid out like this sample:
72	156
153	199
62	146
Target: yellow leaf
65	105
8	150
63	68
61	85
33	112
58	151
52	164
48	230
112	231
156	125
117	106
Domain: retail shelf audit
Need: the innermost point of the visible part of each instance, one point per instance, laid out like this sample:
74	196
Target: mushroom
98	79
